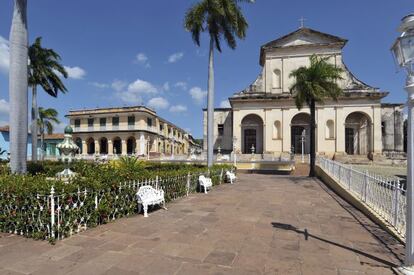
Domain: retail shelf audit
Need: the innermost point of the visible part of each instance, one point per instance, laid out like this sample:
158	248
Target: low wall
354	201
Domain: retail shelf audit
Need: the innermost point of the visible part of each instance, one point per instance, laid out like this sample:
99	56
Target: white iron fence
385	196
60	214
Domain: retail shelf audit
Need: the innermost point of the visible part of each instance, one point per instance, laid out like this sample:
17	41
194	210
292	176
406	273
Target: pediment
304	36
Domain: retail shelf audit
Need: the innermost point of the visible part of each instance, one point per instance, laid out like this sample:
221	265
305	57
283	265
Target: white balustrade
384	196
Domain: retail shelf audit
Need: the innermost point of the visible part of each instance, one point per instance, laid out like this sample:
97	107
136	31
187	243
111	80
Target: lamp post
403	50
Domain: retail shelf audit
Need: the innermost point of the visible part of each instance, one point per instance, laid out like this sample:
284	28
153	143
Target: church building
264	119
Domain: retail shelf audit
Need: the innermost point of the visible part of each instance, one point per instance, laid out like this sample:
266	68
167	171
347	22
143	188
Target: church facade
264	119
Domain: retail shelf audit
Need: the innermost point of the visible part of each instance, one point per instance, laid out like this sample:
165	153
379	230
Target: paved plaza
264	224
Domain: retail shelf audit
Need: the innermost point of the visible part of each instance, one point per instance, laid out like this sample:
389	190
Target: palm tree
44	70
18	88
313	85
220	18
47	117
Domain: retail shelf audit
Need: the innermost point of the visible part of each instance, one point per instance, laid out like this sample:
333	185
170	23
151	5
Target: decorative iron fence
59	215
384	196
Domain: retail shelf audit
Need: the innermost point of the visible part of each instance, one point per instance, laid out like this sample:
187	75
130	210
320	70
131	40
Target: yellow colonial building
264	115
134	130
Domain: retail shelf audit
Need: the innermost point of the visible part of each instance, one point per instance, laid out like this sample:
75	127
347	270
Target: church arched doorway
300	130
357	134
252	134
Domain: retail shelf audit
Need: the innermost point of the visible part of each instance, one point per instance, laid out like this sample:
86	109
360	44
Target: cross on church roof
302	22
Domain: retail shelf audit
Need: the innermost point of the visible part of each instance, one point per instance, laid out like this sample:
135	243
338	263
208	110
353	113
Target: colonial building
134	130
264	115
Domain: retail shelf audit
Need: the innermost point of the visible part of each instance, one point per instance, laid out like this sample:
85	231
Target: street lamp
403	50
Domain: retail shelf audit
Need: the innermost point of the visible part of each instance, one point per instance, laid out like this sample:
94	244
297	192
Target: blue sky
127	52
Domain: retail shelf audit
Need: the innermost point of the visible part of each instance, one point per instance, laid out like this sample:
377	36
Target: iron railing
384	196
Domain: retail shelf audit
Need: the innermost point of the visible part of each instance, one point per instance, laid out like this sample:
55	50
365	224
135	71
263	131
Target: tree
313	85
47	117
44	70
220	18
18	83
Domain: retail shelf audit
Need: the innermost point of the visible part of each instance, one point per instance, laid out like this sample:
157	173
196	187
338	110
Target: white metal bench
231	177
148	195
204	182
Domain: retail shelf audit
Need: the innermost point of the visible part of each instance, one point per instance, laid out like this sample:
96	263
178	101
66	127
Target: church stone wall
330	119
223	116
392	117
287	60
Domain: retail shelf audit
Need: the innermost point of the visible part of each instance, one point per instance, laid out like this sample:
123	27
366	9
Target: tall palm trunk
210	106
34	123
42	145
312	139
18	79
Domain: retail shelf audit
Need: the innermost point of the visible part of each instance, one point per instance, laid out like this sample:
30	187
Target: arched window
276	79
277	130
330	129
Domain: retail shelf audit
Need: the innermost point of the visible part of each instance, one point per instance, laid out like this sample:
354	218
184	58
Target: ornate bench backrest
146	191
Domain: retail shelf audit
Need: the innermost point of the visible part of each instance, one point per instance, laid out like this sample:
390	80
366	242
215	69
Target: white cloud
175	57
118	85
178	109
4	55
158	103
141	87
4	106
75	72
4	112
142	58
198	94
99	85
182	85
134	91
166	86
225	104
130	98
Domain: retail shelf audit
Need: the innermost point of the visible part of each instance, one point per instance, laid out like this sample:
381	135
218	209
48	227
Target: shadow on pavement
308	235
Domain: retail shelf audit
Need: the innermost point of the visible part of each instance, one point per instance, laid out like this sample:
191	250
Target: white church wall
221	117
287	60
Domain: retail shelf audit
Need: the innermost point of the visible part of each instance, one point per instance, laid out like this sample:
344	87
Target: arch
330	129
276	79
300	133
358	131
90	142
131	145
103	145
252	134
277	126
117	146
78	142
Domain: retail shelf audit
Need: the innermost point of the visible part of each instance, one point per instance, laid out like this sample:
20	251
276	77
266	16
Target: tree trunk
210	106
42	145
18	85
312	139
34	127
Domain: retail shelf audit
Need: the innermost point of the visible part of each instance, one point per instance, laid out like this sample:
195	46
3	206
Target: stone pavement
264	224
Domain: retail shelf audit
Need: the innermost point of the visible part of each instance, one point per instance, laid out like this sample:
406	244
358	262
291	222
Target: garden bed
40	208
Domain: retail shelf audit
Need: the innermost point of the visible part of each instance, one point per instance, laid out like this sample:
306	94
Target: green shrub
100	193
